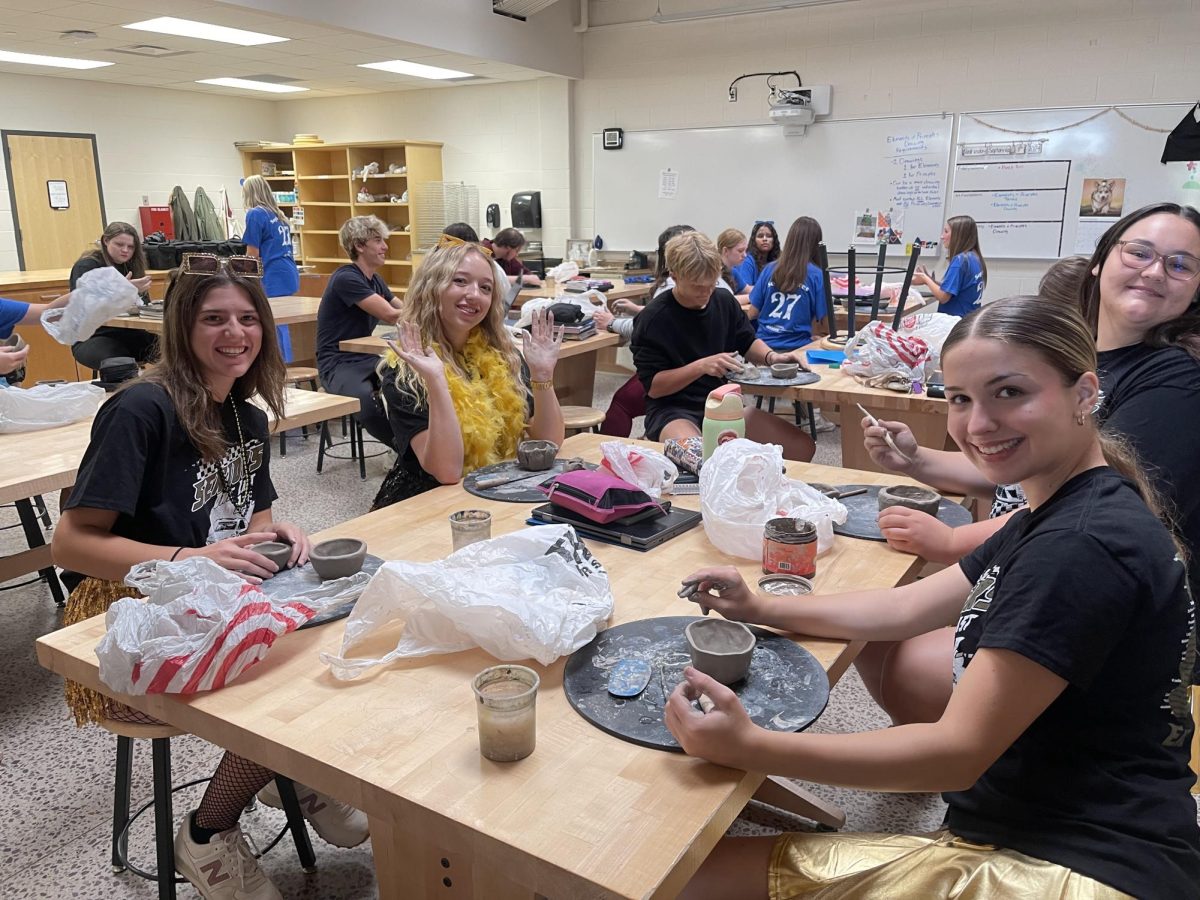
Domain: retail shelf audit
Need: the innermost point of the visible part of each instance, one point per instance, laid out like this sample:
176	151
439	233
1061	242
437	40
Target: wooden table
33	463
574	376
287	311
587	815
619	291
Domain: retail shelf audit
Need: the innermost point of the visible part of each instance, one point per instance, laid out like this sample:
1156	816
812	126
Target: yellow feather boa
489	403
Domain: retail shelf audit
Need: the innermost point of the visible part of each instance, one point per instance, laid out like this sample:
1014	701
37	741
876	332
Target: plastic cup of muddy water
470	525
506	701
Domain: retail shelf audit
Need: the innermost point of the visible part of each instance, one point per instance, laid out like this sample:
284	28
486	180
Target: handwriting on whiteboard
911	142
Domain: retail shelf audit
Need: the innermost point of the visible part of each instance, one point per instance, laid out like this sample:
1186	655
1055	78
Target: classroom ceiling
325	60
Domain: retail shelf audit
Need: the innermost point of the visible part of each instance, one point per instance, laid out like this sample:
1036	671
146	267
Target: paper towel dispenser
527	209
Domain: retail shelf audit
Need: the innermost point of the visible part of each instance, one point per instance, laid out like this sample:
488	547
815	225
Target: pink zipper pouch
598	496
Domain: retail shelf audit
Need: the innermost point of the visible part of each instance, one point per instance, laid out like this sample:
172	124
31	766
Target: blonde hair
730	238
422	308
358	230
256	192
693	255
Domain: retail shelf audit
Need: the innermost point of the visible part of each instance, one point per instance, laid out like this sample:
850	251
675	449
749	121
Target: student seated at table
18	312
683	346
120	247
731	244
960	289
1063	752
458	393
355	300
506	247
462	231
790	292
178	467
763	249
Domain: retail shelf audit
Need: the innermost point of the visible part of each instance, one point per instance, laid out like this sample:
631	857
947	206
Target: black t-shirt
87	264
340	318
668	336
142	464
1089	586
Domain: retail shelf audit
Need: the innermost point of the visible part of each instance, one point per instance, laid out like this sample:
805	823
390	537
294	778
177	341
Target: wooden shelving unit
327	191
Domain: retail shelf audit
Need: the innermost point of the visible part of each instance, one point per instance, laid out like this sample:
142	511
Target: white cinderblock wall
882	57
148	140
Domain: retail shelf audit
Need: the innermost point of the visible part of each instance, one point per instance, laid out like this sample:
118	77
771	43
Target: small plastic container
790	547
506	702
470	525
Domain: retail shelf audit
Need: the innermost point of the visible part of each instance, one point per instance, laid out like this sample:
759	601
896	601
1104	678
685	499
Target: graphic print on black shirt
227	482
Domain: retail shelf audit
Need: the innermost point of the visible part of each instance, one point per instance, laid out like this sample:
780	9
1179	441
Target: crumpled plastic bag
933	329
536	593
47	406
742	486
98	296
564	271
643	466
877	350
200	627
588	302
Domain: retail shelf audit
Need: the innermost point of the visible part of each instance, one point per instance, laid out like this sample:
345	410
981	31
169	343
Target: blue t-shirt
11	314
785	319
273	238
747	270
963	281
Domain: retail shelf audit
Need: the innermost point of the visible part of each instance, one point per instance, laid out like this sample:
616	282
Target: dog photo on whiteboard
1102	197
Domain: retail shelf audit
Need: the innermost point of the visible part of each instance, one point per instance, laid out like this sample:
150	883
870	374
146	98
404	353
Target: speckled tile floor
57	780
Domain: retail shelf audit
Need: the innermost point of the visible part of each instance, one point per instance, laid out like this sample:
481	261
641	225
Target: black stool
357	446
800	412
30	511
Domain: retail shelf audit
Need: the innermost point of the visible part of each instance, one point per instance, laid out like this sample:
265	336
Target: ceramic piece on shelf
721	649
338	558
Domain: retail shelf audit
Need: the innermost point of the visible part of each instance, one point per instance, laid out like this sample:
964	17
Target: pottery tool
887	435
571	465
628	677
705	703
690	589
835	494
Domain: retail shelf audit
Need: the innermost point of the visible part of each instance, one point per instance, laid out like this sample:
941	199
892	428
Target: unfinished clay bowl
785	370
338	558
536	456
911	497
720	649
276	551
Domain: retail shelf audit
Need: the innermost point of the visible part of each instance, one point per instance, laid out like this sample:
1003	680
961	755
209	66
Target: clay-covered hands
427	364
541	345
235	555
917	533
625	307
789	356
885	456
294	535
12	359
723	734
718	365
721	588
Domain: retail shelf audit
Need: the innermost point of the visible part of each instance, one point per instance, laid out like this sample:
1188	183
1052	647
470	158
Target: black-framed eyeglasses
1178	266
211	264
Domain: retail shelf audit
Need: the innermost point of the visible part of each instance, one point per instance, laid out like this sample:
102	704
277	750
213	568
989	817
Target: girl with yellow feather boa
458	394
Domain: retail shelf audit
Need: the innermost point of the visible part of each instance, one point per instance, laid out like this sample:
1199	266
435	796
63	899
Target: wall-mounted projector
795	109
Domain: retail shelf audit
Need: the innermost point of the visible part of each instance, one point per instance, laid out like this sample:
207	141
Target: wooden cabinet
327	194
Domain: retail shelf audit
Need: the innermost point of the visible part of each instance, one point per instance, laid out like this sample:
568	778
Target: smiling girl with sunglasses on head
178	466
1063	751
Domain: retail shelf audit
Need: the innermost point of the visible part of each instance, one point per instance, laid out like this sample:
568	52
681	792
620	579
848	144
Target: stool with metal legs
356	442
29	512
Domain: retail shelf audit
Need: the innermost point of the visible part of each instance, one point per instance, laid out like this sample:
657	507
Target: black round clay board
797	380
523	491
785	691
287	583
863	521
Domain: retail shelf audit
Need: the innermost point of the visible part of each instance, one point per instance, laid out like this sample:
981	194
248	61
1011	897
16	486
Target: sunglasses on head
764	222
211	264
449	240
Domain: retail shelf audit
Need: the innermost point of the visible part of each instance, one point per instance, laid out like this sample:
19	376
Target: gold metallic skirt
938	865
92	597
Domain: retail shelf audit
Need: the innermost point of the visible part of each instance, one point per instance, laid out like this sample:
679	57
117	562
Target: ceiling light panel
60	62
248	85
205	32
417	70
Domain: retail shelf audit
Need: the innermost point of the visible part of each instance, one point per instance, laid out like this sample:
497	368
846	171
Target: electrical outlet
145	199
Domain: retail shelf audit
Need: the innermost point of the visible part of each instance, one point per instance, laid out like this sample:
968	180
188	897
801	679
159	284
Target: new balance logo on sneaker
311	804
337	823
214	873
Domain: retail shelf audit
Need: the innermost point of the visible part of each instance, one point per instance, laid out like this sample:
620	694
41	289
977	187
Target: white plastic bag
536	593
98	296
876	351
564	271
47	406
199	628
933	329
643	466
588	302
742	485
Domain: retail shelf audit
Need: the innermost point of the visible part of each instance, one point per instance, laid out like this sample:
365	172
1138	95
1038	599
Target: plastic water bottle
724	417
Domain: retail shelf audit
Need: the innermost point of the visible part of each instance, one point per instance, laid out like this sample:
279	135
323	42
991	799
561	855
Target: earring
1080	418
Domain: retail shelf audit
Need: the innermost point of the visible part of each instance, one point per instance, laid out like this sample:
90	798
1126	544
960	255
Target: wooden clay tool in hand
887	435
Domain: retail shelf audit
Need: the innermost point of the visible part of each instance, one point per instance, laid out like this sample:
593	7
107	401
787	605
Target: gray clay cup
721	649
911	497
785	370
536	456
276	551
338	558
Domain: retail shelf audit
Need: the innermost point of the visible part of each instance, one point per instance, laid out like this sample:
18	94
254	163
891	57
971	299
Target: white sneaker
222	869
337	823
822	424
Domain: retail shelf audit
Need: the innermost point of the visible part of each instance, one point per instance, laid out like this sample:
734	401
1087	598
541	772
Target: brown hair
964	238
137	262
661	272
1063	279
727	240
179	372
1061	338
693	255
1183	332
509	237
800	247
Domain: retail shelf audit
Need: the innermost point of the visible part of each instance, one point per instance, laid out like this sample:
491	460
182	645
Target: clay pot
911	497
785	370
277	552
536	456
721	649
338	558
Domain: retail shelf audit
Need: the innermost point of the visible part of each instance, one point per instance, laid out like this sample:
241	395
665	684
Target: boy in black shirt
683	345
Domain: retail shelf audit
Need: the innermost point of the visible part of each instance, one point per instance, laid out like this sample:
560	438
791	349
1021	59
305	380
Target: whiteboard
1012	168
717	178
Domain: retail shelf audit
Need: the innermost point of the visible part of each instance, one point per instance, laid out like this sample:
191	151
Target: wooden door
47	172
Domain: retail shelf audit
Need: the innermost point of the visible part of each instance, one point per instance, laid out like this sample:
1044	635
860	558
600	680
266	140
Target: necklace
244	480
